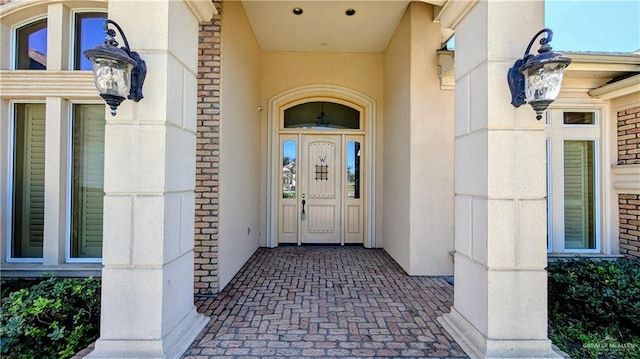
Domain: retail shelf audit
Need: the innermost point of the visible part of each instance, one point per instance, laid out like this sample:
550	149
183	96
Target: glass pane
32	46
579	197
326	115
87	194
89	33
289	169
28	181
579	118
353	169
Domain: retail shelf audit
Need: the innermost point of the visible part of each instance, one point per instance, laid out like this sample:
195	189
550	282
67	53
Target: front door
320	201
321	189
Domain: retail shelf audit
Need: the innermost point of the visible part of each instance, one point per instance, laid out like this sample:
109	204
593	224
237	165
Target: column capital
202	9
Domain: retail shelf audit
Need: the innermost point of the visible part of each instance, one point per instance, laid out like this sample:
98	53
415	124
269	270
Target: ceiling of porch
324	26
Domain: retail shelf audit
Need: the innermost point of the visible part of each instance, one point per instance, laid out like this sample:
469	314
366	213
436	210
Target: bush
53	318
594	307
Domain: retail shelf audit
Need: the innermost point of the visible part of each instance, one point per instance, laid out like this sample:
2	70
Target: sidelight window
573	184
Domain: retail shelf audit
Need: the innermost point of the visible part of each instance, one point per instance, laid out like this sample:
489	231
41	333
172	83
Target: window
89	32
573	192
326	115
289	169
87	185
28	181
353	169
32	46
71	195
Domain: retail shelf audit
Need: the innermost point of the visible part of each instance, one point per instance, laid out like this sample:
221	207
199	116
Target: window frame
562	132
13	56
11	182
73	39
69	186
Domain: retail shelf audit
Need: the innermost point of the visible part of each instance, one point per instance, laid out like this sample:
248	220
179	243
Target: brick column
500	300
208	157
629	203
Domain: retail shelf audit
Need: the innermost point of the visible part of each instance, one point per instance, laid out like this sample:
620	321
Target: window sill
34	270
551	257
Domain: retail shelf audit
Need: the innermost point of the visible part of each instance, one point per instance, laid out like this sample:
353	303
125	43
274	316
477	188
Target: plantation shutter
89	178
33	181
577	193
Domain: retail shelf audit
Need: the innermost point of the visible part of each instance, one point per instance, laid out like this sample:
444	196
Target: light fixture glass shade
543	83
112	77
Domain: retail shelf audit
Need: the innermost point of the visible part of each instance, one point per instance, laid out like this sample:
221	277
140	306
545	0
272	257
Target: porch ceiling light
118	72
537	79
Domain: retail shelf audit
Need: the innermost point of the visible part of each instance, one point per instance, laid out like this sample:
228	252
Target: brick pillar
208	157
629	203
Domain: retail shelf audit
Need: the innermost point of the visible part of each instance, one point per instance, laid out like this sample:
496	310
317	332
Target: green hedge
594	307
49	318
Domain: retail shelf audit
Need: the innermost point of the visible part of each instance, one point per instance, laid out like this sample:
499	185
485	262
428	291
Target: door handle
303	215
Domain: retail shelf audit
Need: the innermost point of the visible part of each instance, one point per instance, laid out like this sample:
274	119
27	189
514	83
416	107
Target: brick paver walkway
293	302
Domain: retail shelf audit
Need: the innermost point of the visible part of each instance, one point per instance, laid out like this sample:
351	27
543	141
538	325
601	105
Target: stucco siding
397	78
431	151
239	142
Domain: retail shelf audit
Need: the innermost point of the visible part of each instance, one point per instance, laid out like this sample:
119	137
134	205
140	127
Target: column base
478	346
171	346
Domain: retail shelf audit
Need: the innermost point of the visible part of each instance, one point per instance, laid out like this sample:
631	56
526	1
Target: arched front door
321	170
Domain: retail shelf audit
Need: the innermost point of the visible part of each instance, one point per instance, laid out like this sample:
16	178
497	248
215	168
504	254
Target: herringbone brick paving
346	302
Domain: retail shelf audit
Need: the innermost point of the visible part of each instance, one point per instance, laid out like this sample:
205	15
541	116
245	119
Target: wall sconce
117	71
537	79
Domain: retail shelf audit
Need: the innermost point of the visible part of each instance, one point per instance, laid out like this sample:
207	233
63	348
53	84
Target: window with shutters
573	139
28	181
51	137
87	185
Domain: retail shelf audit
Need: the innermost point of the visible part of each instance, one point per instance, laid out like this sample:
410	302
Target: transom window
322	115
88	33
31	46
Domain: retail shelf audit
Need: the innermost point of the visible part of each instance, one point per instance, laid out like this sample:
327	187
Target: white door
320	200
321	189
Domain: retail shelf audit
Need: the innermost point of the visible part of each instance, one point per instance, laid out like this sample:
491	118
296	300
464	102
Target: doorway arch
330	93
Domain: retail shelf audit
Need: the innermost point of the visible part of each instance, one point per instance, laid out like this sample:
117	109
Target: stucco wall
240	138
397	114
418	170
432	141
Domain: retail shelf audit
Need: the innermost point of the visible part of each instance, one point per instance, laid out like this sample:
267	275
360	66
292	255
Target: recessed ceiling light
297	11
350	12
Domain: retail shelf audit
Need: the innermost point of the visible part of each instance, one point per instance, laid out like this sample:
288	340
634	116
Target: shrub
54	318
594	307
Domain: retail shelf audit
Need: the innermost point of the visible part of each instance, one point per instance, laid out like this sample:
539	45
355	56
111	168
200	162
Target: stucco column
500	301
147	279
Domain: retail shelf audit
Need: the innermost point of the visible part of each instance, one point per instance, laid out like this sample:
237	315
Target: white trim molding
202	9
32	84
453	12
617	89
